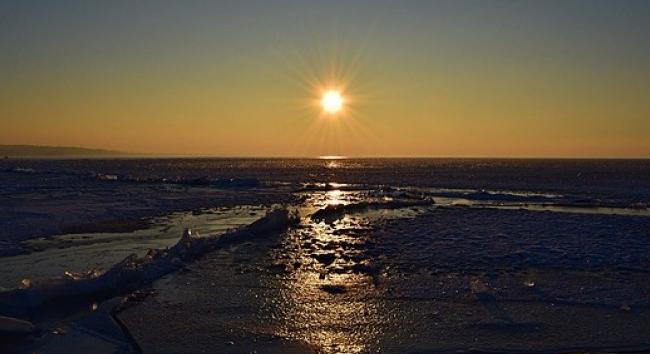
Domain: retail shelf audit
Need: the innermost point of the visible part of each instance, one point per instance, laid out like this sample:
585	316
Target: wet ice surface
55	255
419	279
525	256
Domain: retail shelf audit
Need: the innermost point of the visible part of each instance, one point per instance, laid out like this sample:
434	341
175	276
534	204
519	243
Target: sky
456	78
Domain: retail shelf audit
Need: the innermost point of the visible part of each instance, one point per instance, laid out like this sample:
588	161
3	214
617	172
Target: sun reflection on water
331	323
332	164
330	301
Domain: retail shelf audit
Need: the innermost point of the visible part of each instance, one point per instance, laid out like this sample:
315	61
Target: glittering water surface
326	259
392	257
439	278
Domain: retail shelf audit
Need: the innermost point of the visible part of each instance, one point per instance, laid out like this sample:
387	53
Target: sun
332	101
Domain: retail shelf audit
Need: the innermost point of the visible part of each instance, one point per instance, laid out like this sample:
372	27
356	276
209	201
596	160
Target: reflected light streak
347	321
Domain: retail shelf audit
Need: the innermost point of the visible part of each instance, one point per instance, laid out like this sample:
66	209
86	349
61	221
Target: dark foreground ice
557	262
464	279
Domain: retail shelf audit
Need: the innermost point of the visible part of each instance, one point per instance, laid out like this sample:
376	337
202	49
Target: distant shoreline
37	151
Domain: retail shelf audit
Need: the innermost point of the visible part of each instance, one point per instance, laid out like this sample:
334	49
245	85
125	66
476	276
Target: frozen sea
388	255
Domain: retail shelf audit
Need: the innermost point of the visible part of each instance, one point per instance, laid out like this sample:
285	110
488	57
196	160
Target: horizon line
328	157
99	153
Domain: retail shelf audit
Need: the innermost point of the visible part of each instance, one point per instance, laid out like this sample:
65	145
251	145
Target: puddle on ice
578	209
557	208
81	252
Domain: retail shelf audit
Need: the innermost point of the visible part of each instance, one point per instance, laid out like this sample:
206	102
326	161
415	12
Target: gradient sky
240	78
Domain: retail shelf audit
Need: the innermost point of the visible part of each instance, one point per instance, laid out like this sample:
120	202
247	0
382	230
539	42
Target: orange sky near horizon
442	79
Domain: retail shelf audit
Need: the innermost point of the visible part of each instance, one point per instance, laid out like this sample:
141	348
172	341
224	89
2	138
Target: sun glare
332	101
